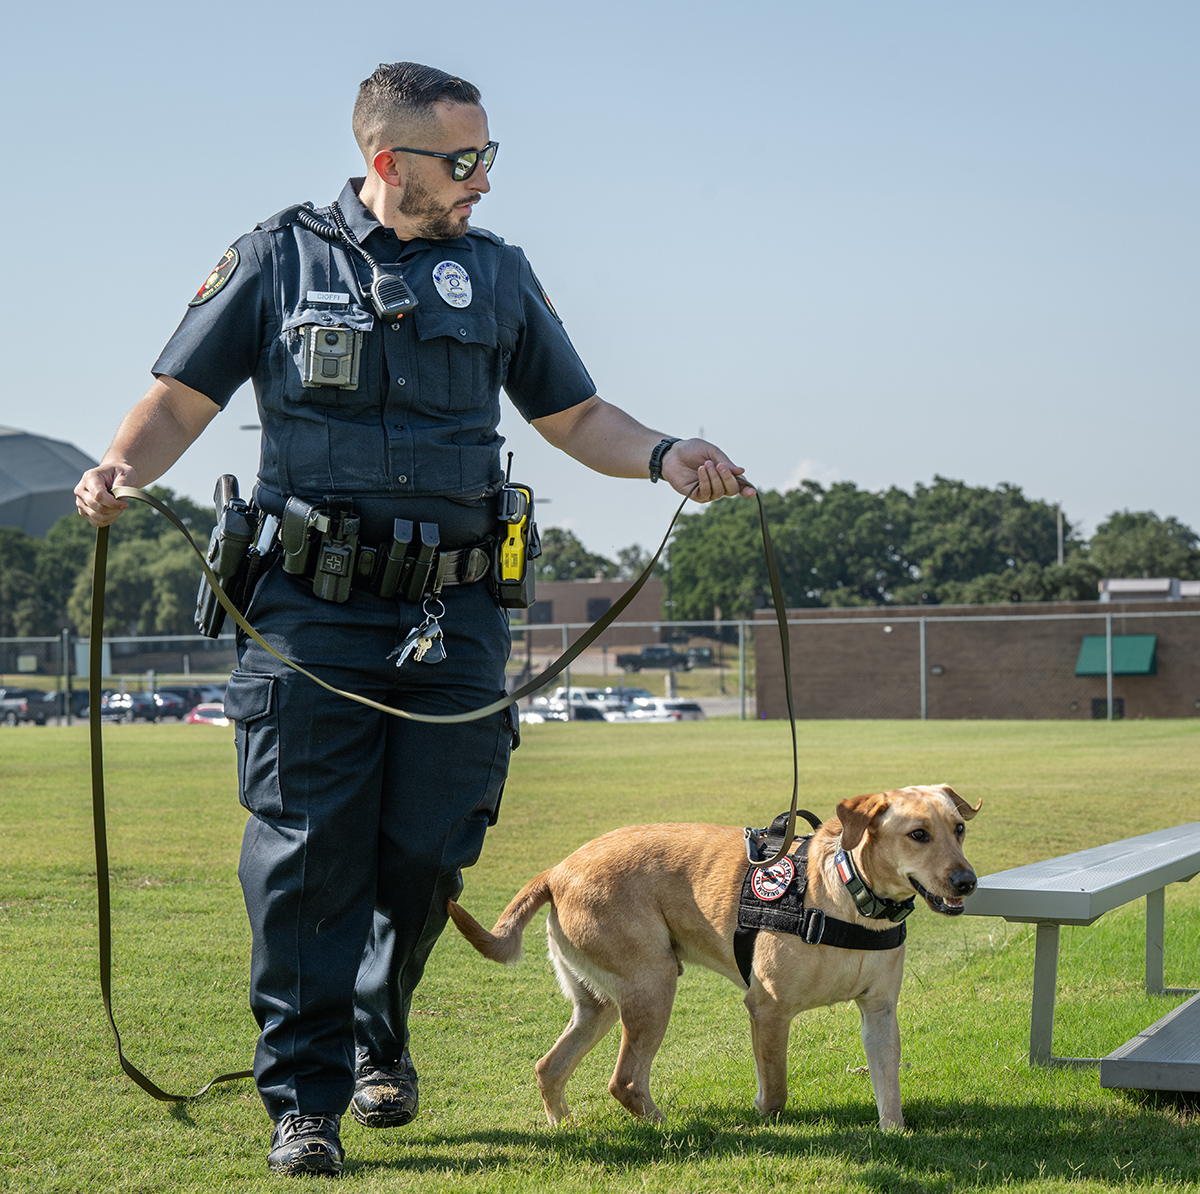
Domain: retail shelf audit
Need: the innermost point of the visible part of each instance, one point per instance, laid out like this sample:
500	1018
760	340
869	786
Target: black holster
227	557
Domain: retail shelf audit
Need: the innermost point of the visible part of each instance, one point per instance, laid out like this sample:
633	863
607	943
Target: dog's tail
503	943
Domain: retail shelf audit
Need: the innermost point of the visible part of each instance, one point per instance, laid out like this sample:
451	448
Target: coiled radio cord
390	295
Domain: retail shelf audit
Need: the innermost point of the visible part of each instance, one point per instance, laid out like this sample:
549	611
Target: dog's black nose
963	882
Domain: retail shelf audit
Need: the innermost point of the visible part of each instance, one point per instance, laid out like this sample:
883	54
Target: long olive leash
103	893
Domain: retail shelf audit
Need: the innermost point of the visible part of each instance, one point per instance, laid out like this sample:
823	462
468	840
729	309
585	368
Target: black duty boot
307	1144
385	1096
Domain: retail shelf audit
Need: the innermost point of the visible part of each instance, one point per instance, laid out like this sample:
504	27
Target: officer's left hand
693	462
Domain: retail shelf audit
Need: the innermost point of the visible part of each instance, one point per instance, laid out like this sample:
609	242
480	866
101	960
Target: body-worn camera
331	356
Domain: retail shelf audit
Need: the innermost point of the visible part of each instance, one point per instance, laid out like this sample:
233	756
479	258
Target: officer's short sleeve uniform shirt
415	406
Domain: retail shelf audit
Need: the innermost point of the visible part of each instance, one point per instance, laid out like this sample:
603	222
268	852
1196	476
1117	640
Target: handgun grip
226	489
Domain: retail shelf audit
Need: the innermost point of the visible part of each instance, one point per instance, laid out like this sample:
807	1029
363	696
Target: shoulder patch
215	281
545	296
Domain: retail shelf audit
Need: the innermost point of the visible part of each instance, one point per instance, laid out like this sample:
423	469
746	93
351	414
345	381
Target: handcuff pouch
295	529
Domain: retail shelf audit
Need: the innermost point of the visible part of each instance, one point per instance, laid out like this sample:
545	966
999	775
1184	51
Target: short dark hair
404	92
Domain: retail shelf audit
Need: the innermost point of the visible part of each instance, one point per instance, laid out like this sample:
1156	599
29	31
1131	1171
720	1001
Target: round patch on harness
770	882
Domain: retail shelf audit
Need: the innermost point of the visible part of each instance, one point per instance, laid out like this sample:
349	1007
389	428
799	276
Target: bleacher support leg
1045	980
1156	918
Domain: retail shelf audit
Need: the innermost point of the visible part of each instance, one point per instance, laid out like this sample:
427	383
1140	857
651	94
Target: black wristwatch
656	457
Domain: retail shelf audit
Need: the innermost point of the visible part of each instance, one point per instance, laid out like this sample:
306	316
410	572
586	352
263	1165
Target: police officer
360	822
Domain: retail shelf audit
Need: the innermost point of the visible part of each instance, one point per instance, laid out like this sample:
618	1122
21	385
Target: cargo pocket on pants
507	740
251	705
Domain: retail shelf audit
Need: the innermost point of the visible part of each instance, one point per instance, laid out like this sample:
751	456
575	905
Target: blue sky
874	240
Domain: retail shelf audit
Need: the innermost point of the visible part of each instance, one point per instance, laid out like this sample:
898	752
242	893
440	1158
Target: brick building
1023	661
584	601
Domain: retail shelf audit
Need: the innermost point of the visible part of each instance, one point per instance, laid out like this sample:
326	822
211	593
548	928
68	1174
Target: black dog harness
773	898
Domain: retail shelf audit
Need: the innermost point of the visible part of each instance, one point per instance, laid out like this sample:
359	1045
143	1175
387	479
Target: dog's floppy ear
856	814
964	809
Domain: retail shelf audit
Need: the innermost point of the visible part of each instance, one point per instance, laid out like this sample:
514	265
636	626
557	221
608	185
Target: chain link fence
1072	661
721	678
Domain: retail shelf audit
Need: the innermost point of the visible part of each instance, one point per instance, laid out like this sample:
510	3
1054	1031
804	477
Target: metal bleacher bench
1077	889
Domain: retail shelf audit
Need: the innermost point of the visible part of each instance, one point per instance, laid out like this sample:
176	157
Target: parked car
628	695
602	698
700	656
191	697
55	703
209	713
128	707
585	712
169	705
658	655
665	709
22	704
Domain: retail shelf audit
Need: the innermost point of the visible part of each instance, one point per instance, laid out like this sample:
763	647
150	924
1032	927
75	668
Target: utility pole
1058	510
720	648
66	676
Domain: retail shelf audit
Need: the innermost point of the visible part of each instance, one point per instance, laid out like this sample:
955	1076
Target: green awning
1133	655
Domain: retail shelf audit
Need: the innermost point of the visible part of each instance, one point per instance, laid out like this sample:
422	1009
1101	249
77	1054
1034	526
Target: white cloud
811	470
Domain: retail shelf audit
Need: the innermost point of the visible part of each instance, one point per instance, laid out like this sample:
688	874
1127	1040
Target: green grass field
978	1117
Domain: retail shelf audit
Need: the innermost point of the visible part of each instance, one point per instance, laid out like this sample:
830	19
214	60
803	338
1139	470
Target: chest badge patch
453	283
770	882
217	279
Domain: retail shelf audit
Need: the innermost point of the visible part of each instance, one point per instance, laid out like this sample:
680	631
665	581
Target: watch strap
656	457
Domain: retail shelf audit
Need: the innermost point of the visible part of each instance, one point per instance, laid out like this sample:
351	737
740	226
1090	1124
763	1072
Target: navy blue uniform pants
360	822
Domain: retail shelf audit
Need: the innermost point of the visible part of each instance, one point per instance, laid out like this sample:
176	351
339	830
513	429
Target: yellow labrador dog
630	908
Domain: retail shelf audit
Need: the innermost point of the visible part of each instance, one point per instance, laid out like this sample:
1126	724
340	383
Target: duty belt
463	566
321	543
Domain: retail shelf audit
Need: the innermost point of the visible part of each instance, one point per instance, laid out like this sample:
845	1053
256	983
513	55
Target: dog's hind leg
592	1015
645	1003
591	1018
770	1024
881	1040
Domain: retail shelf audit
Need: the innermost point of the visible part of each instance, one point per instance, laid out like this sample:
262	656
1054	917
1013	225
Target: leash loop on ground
100	832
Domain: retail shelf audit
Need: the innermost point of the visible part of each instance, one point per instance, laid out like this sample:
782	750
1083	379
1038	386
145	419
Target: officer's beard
434	222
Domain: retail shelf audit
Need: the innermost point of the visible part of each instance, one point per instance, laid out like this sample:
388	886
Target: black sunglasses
464	162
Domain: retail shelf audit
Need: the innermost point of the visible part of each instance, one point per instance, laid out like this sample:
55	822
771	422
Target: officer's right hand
94	498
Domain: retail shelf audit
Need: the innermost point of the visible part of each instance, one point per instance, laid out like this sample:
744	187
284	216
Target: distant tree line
944	543
151	580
